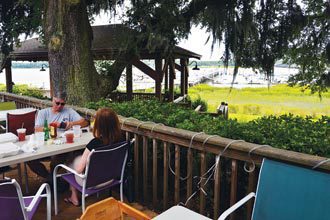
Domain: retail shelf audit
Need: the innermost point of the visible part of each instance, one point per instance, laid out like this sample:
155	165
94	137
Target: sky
195	42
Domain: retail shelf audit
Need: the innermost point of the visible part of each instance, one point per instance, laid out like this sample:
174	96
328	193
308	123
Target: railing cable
144	122
213	168
248	170
320	163
158	124
169	158
127	119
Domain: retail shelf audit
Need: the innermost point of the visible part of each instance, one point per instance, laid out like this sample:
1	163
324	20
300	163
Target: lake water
214	76
30	76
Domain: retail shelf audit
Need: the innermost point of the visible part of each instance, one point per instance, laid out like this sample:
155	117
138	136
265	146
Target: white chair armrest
38	195
236	206
68	169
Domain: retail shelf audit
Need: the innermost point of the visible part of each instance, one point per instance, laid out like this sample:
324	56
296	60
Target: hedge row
286	131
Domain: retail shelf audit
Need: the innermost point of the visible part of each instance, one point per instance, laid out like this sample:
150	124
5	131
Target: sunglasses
60	103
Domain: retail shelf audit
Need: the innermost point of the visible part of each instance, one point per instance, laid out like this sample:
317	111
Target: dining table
49	148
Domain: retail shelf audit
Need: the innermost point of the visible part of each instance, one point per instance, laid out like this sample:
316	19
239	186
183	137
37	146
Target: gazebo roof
108	42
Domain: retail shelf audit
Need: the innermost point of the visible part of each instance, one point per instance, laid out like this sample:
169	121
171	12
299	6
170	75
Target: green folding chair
287	192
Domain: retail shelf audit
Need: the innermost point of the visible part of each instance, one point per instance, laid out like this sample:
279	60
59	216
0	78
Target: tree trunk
68	35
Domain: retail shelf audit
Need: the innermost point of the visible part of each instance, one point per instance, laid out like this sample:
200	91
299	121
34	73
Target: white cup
76	130
40	138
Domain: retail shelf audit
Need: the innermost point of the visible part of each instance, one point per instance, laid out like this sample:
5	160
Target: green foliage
17	18
24	90
199	101
308	48
284	131
291	133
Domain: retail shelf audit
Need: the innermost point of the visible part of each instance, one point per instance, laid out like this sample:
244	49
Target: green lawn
249	103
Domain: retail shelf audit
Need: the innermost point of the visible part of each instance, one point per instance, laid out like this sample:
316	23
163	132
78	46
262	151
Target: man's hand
58	124
68	125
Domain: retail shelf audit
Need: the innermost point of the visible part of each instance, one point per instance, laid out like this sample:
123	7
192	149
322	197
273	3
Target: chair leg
55	190
49	203
26	179
19	173
121	192
83	201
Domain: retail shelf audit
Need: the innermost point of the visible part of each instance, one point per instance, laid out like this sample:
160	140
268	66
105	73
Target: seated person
106	132
64	118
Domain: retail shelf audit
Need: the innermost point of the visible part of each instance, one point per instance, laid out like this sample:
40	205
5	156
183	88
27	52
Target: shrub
199	101
285	131
25	90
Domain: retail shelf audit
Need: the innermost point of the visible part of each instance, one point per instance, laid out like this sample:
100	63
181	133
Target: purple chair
14	206
103	165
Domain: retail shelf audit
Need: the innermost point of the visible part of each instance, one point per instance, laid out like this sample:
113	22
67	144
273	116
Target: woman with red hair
106	131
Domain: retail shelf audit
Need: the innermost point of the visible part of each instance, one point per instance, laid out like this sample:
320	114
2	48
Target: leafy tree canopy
255	33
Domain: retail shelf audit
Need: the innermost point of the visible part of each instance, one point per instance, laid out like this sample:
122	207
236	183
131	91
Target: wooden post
183	77
165	181
177	175
251	188
136	166
202	198
189	175
129	81
9	81
186	75
171	81
166	78
233	186
154	172
159	78
217	182
145	170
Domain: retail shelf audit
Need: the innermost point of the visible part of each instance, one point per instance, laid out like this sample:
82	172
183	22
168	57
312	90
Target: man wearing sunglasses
64	118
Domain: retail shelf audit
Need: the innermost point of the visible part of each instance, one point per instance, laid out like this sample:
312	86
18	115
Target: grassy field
249	103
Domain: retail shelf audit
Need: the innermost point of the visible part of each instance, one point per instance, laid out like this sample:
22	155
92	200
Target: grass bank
250	103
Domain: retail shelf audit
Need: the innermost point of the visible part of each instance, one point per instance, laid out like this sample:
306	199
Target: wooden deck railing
160	150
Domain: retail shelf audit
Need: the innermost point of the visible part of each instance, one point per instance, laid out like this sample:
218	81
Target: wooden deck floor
67	211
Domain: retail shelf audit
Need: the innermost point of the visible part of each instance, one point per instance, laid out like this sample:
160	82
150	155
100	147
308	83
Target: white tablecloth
8	137
8	149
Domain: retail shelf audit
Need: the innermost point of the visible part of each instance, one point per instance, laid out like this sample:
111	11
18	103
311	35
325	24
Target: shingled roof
108	42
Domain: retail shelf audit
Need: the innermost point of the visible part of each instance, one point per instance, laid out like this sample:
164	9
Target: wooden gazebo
110	42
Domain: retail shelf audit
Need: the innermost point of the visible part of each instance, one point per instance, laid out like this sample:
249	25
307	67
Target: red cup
21	132
69	137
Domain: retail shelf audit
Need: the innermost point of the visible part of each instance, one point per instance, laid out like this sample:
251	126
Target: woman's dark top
94	144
